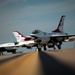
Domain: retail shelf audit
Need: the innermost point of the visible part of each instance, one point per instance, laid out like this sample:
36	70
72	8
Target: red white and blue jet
39	39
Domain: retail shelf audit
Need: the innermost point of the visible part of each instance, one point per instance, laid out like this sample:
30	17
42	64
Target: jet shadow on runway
51	66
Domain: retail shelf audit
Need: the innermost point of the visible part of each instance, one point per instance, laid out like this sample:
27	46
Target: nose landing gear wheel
39	49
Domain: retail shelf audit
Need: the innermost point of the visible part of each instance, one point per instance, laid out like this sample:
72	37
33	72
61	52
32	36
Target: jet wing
57	36
66	38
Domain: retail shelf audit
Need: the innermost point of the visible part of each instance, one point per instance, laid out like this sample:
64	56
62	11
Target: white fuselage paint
26	43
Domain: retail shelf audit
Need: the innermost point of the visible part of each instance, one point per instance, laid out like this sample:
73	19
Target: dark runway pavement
59	62
51	66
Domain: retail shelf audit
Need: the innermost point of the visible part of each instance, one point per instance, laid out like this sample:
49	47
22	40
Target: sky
27	15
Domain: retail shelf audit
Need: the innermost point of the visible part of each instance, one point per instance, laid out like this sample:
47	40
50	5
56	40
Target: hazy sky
26	15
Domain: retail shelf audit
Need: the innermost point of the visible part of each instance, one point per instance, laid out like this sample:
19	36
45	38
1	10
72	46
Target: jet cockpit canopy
36	31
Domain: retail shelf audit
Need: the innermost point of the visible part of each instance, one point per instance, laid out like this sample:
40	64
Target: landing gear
54	47
39	47
14	52
45	48
1	53
59	45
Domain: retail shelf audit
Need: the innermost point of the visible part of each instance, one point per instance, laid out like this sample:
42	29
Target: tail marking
60	25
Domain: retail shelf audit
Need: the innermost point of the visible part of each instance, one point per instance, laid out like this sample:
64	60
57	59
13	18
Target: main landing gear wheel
54	48
45	48
1	53
39	47
14	52
59	46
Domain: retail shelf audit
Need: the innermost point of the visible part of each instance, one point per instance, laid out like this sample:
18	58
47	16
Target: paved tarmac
8	57
56	62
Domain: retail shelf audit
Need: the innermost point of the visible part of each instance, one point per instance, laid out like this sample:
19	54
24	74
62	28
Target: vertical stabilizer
19	36
60	25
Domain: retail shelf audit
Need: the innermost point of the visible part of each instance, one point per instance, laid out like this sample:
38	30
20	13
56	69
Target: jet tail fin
19	36
60	25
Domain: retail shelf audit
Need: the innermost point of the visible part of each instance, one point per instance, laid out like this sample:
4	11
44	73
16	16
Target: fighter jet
39	39
55	38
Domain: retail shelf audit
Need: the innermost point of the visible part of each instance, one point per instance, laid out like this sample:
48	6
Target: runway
61	62
5	58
